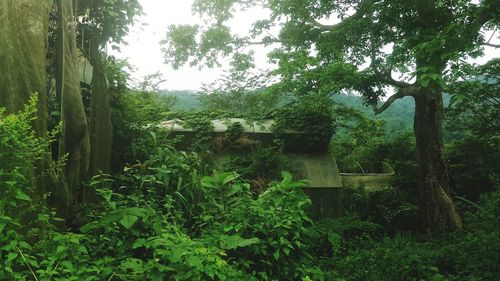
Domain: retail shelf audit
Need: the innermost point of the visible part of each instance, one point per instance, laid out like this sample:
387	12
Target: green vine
306	124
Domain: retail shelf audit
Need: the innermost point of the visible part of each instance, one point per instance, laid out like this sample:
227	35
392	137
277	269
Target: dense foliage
168	218
321	47
167	211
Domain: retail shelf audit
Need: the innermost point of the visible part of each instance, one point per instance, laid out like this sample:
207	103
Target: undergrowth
167	218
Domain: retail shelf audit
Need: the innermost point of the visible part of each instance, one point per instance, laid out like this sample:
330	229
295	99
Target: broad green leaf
139	243
22	196
335	239
68	265
230	178
286	251
135	265
88	227
136	211
276	254
236	241
111	217
128	221
61	248
194	261
24	245
11	256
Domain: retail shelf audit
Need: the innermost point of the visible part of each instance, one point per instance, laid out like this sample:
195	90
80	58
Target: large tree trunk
23	52
75	138
23	60
100	116
437	206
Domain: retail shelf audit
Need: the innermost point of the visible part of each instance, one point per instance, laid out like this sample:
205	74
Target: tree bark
23	53
75	138
100	116
23	60
437	206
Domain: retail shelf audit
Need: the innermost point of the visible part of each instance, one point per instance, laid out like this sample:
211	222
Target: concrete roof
221	125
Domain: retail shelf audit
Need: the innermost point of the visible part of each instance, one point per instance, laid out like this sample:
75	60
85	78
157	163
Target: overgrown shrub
311	116
20	148
163	223
472	254
393	209
473	166
269	236
23	215
134	115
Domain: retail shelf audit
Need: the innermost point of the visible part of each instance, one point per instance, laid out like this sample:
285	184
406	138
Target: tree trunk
23	59
437	206
75	138
100	116
23	53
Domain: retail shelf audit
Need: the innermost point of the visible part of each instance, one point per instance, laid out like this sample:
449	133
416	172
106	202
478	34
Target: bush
23	215
20	149
134	116
393	209
473	254
270	236
161	221
472	168
397	258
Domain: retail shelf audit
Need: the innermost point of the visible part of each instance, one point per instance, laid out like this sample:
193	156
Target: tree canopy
345	44
328	46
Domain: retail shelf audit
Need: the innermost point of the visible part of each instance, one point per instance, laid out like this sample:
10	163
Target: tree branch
360	12
385	77
401	93
491	45
391	81
325	27
264	41
481	15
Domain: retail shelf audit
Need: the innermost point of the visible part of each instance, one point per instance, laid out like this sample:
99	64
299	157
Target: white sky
143	49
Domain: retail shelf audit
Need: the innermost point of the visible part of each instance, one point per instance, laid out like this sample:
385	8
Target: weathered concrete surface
320	170
222	125
306	158
324	182
369	181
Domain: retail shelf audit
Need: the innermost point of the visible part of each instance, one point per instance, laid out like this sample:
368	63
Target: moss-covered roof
222	125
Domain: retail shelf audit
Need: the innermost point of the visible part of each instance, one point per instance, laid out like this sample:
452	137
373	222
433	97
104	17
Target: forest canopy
426	42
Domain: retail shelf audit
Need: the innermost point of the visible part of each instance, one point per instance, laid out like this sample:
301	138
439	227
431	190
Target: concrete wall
306	158
369	181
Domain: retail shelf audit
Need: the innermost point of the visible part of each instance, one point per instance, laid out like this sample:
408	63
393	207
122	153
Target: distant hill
398	117
185	99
